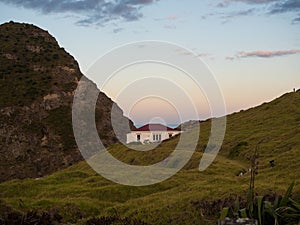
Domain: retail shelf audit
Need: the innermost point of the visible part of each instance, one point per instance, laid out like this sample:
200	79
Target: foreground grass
79	193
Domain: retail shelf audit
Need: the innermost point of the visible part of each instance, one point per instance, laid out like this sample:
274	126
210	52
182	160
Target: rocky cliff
37	83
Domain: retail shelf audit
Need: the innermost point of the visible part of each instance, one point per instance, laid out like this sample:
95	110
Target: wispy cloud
274	6
97	12
170	17
227	16
268	54
296	20
225	3
170	21
222	4
230	58
172	27
252	1
263	54
195	53
117	30
239	13
286	6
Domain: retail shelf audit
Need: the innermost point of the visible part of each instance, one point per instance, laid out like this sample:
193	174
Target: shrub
236	150
107	220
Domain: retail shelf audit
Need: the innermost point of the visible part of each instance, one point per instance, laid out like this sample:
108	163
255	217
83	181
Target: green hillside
190	197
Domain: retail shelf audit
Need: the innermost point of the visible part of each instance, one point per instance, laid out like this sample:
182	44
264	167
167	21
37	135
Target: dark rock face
37	84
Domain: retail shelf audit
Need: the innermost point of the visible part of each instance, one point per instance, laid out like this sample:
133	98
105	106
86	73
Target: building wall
149	136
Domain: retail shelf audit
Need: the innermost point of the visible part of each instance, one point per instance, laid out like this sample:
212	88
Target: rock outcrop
37	83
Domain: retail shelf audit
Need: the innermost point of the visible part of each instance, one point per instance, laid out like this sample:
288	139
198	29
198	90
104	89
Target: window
138	137
156	137
170	135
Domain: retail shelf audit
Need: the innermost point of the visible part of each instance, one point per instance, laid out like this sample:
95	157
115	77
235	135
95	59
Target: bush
236	150
109	220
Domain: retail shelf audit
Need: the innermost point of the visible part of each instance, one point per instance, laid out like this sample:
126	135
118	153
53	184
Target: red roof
154	127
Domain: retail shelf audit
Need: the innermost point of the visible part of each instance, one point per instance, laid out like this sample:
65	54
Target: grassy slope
79	191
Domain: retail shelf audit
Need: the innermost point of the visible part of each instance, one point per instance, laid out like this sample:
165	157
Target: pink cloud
172	17
263	54
268	54
194	53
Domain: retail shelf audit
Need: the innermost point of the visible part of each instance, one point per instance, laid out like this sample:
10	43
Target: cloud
228	16
230	58
250	1
194	53
97	12
286	6
225	3
269	54
117	30
222	4
170	17
253	1
296	20
263	54
172	27
202	55
275	6
239	13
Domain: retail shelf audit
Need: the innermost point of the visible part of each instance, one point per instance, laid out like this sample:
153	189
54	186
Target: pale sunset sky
252	47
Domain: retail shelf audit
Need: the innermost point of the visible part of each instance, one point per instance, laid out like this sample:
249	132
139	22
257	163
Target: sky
250	47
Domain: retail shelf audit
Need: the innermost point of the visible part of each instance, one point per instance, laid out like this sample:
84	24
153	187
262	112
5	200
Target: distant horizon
174	125
168	125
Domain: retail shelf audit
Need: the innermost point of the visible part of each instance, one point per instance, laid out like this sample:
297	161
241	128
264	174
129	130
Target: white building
151	133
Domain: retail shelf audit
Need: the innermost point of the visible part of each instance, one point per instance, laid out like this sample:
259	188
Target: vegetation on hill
29	57
37	83
79	194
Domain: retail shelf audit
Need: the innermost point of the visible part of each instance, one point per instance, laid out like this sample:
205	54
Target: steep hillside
37	83
275	124
190	197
